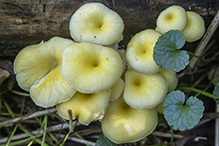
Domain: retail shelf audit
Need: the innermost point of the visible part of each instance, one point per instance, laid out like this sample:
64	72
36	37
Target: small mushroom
171	78
172	81
94	22
144	91
91	68
140	49
38	70
195	27
87	107
117	90
160	107
174	17
124	124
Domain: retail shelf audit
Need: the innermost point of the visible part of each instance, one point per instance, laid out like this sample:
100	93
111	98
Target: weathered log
25	22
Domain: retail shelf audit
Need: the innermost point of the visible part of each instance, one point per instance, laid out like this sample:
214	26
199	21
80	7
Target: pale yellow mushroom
117	90
160	108
195	27
173	17
144	91
171	78
91	68
94	22
124	124
38	70
87	107
140	51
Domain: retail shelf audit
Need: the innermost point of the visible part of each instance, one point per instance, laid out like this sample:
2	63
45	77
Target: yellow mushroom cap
38	70
140	49
171	78
117	90
124	124
195	27
94	22
87	107
174	17
91	68
144	91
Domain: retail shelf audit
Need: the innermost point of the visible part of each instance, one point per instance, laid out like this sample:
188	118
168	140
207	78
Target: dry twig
49	129
204	41
29	116
78	140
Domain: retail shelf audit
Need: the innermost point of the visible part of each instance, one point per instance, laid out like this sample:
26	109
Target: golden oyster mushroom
140	51
173	17
38	70
91	68
144	91
195	27
124	124
87	107
94	22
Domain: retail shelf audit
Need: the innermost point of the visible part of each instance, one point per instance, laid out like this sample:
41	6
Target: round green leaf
181	116
104	141
216	90
167	53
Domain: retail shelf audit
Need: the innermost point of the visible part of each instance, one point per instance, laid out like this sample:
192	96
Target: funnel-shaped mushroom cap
140	49
94	22
87	107
195	27
171	78
123	124
38	69
144	91
174	17
91	68
117	90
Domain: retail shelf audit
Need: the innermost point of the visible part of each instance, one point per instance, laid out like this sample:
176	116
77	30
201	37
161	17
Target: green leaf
104	141
216	90
179	115
167	53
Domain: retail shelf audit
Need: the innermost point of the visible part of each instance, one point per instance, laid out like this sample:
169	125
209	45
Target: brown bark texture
25	22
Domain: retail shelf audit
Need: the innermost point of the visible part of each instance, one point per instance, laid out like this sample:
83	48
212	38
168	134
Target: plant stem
20	93
65	139
199	91
44	130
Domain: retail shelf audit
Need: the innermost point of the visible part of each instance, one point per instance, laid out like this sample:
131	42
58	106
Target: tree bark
25	22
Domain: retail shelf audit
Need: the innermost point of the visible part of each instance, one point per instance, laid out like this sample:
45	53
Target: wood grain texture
25	22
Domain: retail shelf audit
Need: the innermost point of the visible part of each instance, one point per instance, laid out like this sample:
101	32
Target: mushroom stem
70	121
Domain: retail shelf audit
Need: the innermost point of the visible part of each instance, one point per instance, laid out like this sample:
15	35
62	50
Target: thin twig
29	116
114	6
49	129
175	136
167	135
78	140
210	31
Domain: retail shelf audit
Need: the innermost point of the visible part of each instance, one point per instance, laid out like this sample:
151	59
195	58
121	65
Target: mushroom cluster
189	23
85	75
